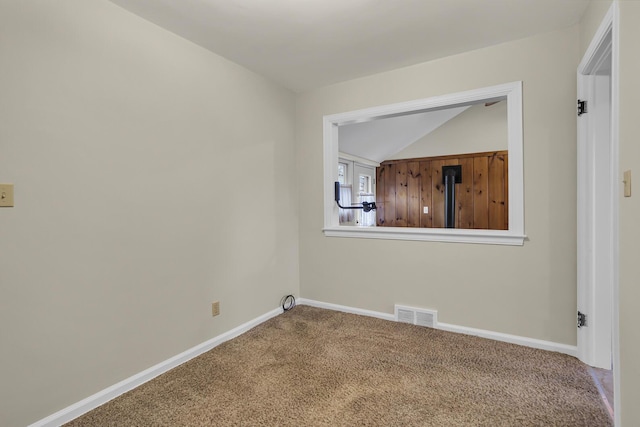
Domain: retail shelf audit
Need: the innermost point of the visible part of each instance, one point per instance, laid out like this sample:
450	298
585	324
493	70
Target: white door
597	206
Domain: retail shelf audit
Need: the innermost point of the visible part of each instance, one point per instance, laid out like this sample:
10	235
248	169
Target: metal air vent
416	316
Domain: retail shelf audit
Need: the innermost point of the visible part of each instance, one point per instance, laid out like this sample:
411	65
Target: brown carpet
314	367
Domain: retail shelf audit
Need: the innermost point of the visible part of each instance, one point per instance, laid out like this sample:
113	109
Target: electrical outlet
215	308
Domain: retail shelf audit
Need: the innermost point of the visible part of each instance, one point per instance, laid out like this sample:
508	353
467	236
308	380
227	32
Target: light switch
425	209
6	195
627	183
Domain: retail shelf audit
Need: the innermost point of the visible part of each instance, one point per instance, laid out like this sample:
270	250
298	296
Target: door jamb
610	25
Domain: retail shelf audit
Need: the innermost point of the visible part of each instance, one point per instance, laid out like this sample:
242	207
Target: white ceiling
306	44
378	140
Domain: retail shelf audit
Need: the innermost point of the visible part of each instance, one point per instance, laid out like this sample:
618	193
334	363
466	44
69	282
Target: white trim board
345	309
608	32
515	235
77	409
74	411
571	350
356	159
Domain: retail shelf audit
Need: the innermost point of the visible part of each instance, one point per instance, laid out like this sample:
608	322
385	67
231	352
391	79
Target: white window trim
359	160
513	236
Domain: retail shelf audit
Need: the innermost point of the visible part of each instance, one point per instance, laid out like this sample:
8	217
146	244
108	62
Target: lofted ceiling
378	140
306	44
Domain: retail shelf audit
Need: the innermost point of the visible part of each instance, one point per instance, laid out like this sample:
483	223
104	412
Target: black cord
288	302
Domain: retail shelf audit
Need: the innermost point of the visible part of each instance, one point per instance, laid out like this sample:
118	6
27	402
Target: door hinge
582	107
582	320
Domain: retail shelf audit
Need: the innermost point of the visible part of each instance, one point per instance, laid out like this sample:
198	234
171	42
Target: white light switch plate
6	195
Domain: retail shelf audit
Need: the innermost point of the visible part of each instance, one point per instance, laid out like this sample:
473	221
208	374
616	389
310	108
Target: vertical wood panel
413	194
425	195
404	187
390	195
464	195
401	195
480	193
380	195
437	194
496	192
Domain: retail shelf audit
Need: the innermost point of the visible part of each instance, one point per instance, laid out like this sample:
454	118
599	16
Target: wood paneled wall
404	187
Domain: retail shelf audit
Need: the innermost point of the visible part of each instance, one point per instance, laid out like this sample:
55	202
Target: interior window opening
447	168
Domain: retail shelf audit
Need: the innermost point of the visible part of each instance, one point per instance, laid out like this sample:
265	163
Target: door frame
598	300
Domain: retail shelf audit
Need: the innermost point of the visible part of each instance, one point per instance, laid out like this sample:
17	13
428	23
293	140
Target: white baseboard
345	309
571	350
74	411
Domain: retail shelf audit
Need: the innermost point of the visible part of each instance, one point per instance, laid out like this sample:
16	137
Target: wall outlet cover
215	308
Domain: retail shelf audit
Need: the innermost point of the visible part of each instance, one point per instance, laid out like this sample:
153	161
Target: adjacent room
319	213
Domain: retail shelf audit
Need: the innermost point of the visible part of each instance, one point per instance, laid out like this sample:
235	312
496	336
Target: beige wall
475	130
134	154
131	155
528	291
629	213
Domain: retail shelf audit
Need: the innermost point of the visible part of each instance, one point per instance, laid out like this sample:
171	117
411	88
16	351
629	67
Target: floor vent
416	316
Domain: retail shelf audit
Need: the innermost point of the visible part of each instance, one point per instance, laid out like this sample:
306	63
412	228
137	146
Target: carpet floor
315	367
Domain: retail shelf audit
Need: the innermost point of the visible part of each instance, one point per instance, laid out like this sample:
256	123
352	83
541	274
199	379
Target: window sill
487	237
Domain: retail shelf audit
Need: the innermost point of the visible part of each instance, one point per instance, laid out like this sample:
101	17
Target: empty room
357	212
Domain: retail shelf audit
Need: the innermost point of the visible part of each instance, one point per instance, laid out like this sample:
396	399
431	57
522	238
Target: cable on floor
288	302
